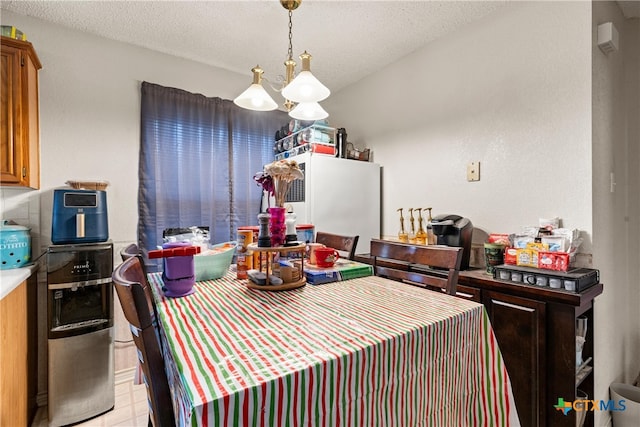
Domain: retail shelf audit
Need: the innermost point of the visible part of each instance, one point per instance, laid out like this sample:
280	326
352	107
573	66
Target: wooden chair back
129	251
345	245
434	267
136	298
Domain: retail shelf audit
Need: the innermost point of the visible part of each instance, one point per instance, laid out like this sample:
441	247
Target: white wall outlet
473	171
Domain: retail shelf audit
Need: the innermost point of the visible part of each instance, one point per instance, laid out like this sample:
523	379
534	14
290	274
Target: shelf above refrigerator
317	139
313	147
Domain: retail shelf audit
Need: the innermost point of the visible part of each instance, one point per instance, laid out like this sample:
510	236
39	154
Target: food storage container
214	262
306	232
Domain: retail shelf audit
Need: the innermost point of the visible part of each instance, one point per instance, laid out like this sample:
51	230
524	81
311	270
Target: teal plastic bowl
214	262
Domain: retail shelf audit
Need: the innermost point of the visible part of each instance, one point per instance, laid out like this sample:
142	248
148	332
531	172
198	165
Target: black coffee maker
454	230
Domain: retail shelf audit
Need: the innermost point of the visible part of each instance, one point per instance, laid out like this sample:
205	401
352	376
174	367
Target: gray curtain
198	156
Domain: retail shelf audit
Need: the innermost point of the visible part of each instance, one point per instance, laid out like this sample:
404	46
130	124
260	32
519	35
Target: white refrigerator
340	196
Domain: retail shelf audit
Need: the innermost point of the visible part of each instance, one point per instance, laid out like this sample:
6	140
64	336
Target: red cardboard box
558	261
511	256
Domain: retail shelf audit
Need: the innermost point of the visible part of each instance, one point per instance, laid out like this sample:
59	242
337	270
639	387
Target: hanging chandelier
302	92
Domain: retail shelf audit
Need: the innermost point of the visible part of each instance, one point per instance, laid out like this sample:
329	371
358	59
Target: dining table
367	351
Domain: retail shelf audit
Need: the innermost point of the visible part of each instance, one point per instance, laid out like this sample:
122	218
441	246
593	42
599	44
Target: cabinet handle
24	172
518	307
464	295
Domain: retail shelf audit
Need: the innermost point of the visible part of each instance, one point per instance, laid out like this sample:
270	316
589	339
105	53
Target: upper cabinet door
20	135
11	154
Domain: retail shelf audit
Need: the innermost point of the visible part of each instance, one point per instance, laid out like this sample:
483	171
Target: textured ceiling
348	39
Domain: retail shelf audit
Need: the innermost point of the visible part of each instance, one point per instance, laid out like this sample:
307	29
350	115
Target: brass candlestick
402	234
421	235
412	231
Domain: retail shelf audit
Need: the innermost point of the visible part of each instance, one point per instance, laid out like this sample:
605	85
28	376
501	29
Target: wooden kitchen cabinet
535	328
18	355
20	145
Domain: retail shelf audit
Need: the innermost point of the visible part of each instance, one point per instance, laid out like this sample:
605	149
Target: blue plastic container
15	246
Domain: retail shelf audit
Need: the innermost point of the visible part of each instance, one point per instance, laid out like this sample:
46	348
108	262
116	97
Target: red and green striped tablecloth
362	352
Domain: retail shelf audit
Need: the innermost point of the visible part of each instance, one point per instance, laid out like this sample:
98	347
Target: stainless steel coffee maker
454	230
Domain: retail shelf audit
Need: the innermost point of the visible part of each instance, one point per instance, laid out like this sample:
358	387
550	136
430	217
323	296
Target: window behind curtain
198	156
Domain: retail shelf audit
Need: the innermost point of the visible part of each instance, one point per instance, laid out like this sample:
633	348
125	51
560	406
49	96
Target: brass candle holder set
424	234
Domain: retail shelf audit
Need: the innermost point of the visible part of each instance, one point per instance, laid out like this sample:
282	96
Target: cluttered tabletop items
543	256
187	258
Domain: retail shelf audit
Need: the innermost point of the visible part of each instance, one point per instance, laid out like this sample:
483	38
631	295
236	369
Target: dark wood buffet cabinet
536	330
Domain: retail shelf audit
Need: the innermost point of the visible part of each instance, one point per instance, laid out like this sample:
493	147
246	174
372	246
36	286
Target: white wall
514	91
616	149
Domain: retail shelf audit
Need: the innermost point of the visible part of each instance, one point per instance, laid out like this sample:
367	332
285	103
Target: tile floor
130	410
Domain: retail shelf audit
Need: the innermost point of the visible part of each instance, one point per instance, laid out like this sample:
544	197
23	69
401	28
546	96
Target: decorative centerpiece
275	179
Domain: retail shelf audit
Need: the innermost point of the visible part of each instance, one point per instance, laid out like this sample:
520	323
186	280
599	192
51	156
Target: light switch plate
473	171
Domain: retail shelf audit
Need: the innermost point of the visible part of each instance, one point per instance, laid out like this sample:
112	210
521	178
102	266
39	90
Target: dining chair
433	267
345	245
129	251
136	298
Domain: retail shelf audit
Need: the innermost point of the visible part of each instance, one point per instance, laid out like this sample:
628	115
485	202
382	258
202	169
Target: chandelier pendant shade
255	97
308	111
304	89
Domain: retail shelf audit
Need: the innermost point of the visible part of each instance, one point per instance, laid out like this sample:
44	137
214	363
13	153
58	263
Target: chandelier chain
290	52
